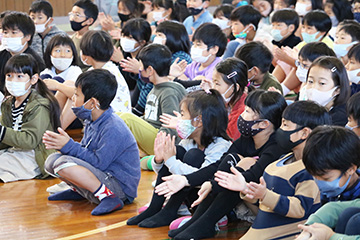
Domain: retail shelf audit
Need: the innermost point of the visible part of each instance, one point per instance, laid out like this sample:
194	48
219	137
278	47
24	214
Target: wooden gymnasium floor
25	213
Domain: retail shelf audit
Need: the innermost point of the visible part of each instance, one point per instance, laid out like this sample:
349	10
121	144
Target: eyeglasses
75	15
301	65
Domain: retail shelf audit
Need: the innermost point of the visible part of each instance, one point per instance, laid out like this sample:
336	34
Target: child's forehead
38	13
79	10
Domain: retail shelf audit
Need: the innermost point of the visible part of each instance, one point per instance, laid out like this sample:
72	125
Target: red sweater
239	107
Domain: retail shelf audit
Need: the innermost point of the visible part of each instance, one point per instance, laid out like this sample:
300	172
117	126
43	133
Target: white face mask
17	89
83	61
159	40
222	23
13	44
196	55
157	16
128	45
227	100
301	74
40	28
320	97
353	76
61	63
300	8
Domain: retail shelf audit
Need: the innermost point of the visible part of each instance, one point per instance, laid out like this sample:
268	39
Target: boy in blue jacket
104	167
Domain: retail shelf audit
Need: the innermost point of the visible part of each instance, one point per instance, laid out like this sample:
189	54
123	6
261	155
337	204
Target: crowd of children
256	105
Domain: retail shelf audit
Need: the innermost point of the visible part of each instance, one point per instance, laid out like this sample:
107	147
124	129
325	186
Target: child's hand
51	84
318	231
130	65
115	34
170	121
117	55
256	191
169	148
177	68
273	89
106	22
233	182
203	193
304	235
159	146
171	185
206	84
54	140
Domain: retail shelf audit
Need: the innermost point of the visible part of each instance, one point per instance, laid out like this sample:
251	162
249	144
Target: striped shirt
17	114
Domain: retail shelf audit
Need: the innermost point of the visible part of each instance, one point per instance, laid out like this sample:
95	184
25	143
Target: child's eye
8	75
20	76
310	81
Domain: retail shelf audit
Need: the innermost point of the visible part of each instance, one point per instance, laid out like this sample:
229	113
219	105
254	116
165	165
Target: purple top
192	70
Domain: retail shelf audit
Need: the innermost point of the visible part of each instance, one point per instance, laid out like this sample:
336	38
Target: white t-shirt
70	74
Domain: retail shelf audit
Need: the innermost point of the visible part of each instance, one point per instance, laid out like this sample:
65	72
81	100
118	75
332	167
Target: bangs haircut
22	63
287	16
90	9
353	30
246	14
162	55
177	38
211	35
225	10
137	28
312	51
20	21
318	19
354	52
353	107
98	45
41	6
59	40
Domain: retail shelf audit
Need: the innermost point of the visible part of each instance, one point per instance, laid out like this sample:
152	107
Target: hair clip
233	74
333	69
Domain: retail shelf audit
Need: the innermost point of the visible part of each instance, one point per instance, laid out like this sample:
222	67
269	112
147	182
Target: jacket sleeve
32	130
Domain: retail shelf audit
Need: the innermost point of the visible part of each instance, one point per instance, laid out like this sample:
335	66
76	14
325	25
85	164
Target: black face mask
123	17
76	26
245	127
283	139
194	11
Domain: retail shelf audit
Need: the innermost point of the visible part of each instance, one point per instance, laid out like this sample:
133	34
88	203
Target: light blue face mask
341	49
185	128
351	128
332	189
308	38
275	33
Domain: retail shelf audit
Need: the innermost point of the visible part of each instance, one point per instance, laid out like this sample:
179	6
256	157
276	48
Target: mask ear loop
230	77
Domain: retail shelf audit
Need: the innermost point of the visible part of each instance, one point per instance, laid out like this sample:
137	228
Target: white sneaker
62	186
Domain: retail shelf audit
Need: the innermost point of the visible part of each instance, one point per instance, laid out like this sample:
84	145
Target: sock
65	195
204	226
169	213
285	89
155	204
108	204
103	192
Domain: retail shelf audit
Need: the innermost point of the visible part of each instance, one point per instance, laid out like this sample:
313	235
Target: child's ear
264	124
352	169
305	133
27	38
50	21
213	50
199	122
34	79
206	4
291	27
88	22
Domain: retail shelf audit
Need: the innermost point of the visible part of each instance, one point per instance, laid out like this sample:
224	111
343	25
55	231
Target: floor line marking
95	231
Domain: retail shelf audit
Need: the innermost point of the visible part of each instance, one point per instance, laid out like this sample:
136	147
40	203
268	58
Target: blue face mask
144	79
331	189
308	38
357	16
82	113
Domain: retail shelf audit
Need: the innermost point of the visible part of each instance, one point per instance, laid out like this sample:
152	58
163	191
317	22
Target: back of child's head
234	72
41	6
318	19
134	6
98	45
339	76
213	113
250	53
177	38
90	8
246	15
99	84
268	104
331	148
211	35
353	107
137	28
157	56
181	10
354	52
26	64
352	29
307	114
223	10
287	16
21	21
313	50
59	40
341	9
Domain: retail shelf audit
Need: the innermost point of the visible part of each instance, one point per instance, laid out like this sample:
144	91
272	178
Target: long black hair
26	64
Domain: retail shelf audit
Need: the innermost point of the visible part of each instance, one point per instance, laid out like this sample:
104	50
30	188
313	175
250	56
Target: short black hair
137	28
177	38
21	21
224	9
353	107
307	114
313	50
318	19
211	35
331	148
163	57
90	8
247	14
234	71
41	6
61	39
339	76
269	105
98	45
354	52
214	114
287	16
353	30
342	9
99	84
250	53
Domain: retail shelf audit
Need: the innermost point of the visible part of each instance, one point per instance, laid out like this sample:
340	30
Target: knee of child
62	164
49	163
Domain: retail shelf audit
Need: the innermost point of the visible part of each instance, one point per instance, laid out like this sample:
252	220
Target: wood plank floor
25	213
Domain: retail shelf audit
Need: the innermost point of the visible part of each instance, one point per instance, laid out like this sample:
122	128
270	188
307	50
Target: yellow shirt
326	40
